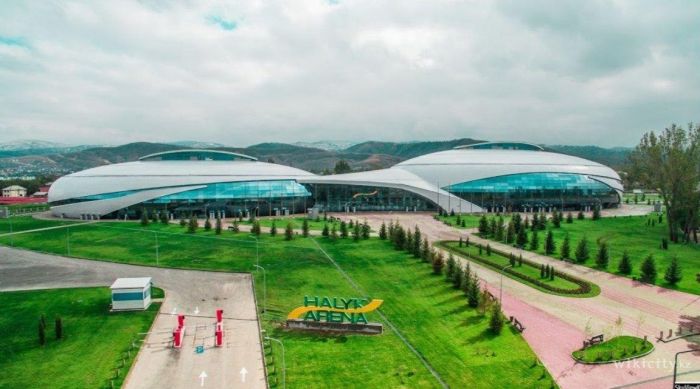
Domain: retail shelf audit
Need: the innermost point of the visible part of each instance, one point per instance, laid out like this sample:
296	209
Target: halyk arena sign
335	314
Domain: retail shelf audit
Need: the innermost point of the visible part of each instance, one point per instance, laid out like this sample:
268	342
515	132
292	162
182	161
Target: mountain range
51	159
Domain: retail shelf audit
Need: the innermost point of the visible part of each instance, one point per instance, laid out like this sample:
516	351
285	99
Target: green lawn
615	349
634	235
94	340
297	222
432	315
23	223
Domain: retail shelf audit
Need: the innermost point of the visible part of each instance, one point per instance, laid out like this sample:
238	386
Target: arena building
474	178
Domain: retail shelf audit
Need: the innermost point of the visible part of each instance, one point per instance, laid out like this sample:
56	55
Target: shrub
183	222
144	218
602	258
549	245
625	266
217	226
305	228
483	226
438	263
569	218
648	271
207	225
565	252
582	253
164	217
273	228
193	225
534	241
382	231
496	322
673	273
325	231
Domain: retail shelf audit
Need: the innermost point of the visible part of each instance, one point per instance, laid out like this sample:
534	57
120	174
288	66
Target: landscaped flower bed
619	348
564	284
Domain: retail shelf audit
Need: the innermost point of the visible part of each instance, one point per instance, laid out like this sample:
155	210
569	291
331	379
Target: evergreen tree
603	257
343	229
408	245
466	278
193	225
625	265
473	292
144	218
565	252
549	246
451	264
534	241
256	228
400	238
438	263
673	273
325	232
520	260
460	241
58	327
382	231
569	218
511	259
425	250
464	223
334	232
596	212
556	221
496	322
289	232
493	228
207	225
356	232
542	223
510	232
648	271
580	215
466	242
521	239
417	237
488	249
235	228
217	226
542	271
273	228
535	222
183	222
365	230
582	253
164	217
154	217
458	278
500	229
483	227
517	221
305	228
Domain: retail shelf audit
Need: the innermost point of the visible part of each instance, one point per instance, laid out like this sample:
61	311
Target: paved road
158	365
556	326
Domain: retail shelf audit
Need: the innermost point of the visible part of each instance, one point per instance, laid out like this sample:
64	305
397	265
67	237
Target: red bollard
219	315
177	337
180	320
219	335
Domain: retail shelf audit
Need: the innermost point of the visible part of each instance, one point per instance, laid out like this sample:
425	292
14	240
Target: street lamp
264	287
284	364
500	296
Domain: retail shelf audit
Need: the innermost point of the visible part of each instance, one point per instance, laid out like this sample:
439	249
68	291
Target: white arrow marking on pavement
243	373
202	377
196	310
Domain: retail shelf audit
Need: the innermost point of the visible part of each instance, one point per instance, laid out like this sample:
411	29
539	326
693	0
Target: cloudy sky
243	72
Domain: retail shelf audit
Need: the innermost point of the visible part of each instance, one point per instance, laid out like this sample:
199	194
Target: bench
593	341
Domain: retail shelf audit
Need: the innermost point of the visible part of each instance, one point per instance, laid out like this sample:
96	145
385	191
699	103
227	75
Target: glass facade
341	198
534	190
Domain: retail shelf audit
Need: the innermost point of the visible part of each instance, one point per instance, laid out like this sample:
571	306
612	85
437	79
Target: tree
256	228
164	217
366	230
580	215
488	249
669	162
565	252
382	231
438	263
603	257
207	225
305	228
673	272
217	225
521	239
289	232
451	265
144	218
648	271
569	218
534	241
483	226
549	245
154	217
510	232
582	253
400	238
183	222
193	225
496	322
416	242
334	232
511	260
273	228
500	229
596	212
235	228
325	231
556	219
535	222
58	327
343	229
473	292
458	277
625	266
425	250
542	271
42	333
341	167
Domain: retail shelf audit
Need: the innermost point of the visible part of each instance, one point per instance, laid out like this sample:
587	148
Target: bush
382	231
582	253
673	273
602	258
496	322
565	252
305	228
193	225
325	231
438	263
549	245
207	225
144	218
164	217
534	241
648	271
289	232
664	243
625	266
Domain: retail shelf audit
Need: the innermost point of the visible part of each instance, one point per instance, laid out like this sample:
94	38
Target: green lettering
311	315
361	319
310	301
326	302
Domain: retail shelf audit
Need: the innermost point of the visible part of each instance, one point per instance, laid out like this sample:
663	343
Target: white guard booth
131	294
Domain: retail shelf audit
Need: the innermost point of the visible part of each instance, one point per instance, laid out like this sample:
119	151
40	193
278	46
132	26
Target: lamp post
500	296
284	364
264	287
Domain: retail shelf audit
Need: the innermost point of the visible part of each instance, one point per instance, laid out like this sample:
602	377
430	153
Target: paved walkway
556	326
196	294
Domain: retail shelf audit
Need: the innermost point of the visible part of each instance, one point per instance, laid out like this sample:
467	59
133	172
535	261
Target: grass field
634	235
615	349
429	312
297	222
23	223
94	340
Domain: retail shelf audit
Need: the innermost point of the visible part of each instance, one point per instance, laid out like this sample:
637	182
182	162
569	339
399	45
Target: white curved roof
160	174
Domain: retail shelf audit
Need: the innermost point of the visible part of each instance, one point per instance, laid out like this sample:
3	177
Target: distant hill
362	156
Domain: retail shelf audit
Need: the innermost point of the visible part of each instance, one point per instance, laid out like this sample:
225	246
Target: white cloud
245	72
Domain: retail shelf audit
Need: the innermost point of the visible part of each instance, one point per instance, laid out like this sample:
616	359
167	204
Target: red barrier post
219	315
